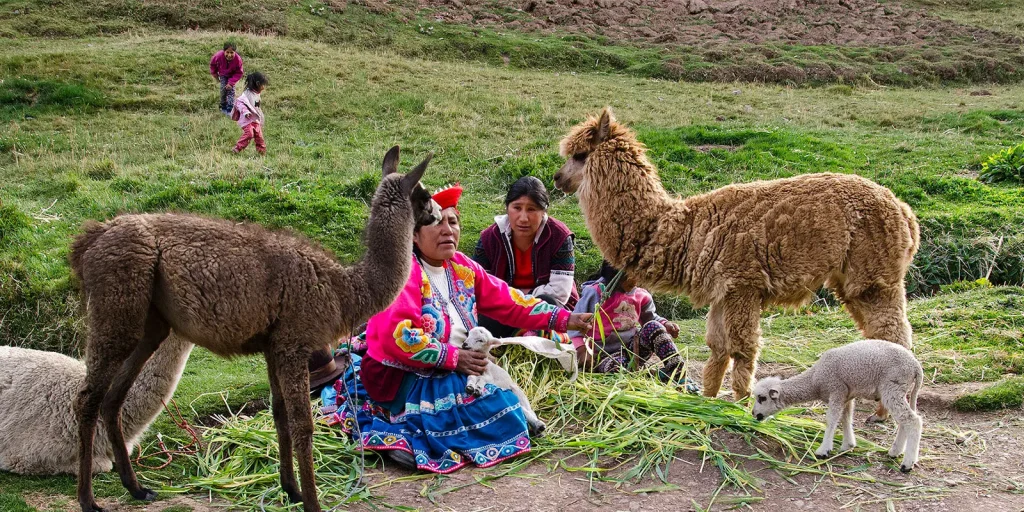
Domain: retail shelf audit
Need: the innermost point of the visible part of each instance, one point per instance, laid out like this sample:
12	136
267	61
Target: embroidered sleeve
564	259
410	334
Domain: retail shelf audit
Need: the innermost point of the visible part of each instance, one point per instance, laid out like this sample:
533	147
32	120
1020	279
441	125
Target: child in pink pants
249	114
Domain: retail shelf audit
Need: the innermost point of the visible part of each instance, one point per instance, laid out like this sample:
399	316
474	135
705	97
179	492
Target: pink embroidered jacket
412	333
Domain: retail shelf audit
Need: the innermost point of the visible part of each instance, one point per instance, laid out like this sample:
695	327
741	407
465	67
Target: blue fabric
442	425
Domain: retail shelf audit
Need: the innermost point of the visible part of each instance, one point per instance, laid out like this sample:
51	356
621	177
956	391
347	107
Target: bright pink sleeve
213	67
396	336
495	299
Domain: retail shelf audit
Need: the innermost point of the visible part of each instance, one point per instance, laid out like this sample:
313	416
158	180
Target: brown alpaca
235	289
742	247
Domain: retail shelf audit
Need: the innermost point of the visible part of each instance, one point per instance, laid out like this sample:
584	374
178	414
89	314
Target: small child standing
249	114
226	68
632	328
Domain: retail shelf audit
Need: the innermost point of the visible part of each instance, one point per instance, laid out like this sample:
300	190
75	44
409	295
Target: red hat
448	197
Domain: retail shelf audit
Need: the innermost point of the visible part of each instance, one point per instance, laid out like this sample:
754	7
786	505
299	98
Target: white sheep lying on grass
872	369
481	340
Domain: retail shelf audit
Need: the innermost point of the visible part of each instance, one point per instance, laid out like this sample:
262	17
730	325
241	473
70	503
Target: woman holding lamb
409	389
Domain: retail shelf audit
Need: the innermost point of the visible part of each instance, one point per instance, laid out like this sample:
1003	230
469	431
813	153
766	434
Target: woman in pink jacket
410	387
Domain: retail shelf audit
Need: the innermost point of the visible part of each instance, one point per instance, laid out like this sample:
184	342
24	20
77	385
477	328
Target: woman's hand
582	322
471	362
672	329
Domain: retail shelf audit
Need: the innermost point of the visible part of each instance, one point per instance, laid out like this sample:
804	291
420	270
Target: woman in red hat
410	386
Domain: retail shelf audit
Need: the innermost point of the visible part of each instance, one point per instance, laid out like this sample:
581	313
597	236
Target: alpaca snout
760	417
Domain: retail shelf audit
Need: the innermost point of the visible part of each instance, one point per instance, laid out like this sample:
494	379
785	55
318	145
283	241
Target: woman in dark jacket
528	249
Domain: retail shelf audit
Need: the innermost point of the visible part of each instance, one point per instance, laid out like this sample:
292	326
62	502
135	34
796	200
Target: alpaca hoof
473	390
905	469
294	496
94	508
536	429
144	494
822	454
846	448
874	418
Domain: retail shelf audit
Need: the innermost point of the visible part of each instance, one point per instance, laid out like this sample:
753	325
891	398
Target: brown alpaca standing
742	247
235	289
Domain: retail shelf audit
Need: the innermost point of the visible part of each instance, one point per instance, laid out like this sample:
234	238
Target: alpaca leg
849	439
99	373
156	331
293	381
743	324
836	407
714	369
284	438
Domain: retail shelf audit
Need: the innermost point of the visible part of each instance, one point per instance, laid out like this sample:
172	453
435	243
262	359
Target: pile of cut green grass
1005	394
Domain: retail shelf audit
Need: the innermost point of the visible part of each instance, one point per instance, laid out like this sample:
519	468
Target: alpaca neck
799	389
154	386
384	269
622	205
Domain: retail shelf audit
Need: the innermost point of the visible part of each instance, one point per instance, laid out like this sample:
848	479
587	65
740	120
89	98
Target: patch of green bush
1005	394
1004	166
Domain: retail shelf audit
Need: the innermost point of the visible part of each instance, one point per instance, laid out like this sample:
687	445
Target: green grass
14	503
408	31
1005	394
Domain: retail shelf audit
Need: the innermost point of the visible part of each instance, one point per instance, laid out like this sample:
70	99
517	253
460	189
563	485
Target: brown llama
744	246
235	289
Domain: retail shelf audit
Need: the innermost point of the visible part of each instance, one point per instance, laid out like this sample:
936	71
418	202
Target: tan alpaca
38	430
234	289
742	247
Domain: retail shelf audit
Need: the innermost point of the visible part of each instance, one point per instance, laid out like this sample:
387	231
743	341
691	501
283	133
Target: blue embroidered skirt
444	427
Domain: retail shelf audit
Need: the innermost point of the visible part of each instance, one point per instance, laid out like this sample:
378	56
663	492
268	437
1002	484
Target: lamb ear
603	126
410	180
391	161
773	394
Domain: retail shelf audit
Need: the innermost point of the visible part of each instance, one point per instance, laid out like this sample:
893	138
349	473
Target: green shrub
1006	165
1007	393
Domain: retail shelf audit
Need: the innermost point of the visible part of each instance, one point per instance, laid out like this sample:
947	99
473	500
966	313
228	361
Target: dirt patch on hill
693	22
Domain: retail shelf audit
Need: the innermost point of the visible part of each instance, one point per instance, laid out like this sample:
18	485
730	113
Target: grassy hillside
410	30
98	126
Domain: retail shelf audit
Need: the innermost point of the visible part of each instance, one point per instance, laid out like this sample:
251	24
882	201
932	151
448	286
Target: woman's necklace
435	291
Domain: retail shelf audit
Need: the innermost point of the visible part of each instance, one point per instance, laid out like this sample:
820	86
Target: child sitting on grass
632	328
249	114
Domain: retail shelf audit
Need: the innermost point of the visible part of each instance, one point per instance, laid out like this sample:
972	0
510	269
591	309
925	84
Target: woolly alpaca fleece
872	369
743	246
234	289
38	429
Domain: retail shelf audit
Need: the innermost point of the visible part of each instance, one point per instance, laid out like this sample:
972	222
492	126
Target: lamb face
480	340
766	398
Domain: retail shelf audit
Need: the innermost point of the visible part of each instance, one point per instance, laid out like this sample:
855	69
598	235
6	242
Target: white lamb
872	369
38	427
481	340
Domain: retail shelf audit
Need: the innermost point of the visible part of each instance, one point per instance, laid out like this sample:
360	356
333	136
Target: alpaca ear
410	180
391	161
603	126
773	394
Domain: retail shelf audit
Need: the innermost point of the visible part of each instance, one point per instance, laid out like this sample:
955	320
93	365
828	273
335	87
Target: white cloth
564	353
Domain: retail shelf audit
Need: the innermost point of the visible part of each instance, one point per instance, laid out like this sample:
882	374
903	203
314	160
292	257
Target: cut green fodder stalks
240	463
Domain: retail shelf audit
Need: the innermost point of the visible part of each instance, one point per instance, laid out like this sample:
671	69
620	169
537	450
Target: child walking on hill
249	114
226	68
632	328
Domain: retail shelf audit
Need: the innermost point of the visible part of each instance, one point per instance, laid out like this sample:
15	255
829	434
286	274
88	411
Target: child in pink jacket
249	114
226	68
633	330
